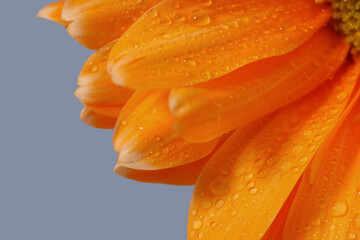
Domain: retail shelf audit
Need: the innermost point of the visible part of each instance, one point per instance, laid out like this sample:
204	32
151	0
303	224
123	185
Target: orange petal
96	23
97	92
144	135
53	12
276	228
96	120
328	202
207	110
182	175
183	43
263	164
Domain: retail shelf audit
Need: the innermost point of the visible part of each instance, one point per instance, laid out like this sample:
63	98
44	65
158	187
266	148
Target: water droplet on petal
338	209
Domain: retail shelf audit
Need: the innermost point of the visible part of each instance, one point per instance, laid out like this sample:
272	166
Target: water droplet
351	235
190	63
253	191
272	160
200	18
341	97
94	68
206	2
296	149
316	222
123	122
338	209
239	171
225	169
153	13
207	204
197	224
219	187
219	203
249	176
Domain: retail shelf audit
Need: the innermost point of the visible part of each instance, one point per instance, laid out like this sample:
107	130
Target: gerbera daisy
254	101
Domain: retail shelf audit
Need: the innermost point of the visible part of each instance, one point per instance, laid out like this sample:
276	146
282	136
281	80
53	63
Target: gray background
56	179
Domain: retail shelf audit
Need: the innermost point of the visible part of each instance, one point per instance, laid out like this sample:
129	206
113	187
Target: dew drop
351	235
316	222
338	209
219	203
253	191
94	68
200	18
153	13
206	3
197	224
239	171
341	97
219	187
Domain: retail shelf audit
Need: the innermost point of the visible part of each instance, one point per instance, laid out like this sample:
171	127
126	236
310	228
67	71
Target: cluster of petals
256	102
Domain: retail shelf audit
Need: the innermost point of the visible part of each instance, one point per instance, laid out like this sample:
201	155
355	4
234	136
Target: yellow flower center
346	20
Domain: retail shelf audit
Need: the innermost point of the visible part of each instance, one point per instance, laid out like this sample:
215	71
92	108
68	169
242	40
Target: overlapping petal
182	175
181	43
97	22
144	135
97	92
97	120
328	202
207	110
264	162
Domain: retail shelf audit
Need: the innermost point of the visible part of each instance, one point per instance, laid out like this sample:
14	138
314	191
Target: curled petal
264	162
96	120
53	12
207	110
98	22
181	43
144	135
97	92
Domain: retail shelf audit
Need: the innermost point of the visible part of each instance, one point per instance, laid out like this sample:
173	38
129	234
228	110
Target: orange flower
254	101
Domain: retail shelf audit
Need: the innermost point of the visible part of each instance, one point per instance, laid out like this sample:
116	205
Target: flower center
346	20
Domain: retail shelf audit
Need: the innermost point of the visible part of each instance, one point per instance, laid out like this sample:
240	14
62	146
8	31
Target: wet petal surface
181	43
207	110
145	139
264	162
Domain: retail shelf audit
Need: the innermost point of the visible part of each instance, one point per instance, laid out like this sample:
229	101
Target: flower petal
97	92
207	110
144	135
276	228
187	42
182	175
328	202
96	120
264	165
98	22
53	12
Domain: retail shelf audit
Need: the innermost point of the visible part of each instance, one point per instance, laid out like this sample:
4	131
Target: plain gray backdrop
56	179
